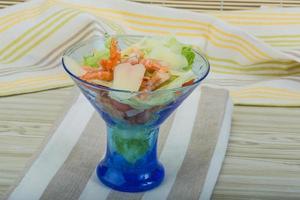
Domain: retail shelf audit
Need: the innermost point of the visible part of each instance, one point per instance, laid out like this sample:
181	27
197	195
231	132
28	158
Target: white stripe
218	155
94	190
176	145
55	153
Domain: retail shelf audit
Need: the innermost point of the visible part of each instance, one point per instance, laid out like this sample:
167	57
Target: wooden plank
25	120
262	161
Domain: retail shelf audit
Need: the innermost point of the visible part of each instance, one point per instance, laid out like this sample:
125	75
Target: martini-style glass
133	120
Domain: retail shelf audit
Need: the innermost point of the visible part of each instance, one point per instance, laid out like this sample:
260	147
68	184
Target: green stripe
32	29
286	45
278	36
26	51
256	74
114	26
248	48
269	62
23	13
258	69
282	41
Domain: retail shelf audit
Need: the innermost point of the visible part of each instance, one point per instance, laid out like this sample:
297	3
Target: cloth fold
252	53
196	134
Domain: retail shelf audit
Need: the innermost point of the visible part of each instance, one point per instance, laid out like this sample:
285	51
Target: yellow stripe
23	18
267	90
218	71
257	16
235	68
295	67
204	27
273	62
285	45
217	44
266	96
39	87
23	13
148	30
18	13
251	46
114	26
205	36
281	41
26	51
256	13
32	29
262	96
24	81
241	47
259	23
56	17
278	36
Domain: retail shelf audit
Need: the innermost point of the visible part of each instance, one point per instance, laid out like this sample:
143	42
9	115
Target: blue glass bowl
133	120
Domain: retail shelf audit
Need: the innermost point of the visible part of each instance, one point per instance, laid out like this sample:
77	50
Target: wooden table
262	161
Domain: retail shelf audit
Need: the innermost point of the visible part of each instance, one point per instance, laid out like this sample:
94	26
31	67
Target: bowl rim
96	86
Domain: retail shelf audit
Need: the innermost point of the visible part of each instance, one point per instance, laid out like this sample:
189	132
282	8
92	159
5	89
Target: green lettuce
131	145
94	59
153	99
189	54
182	77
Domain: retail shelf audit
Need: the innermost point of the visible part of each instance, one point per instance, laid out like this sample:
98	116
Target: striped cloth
64	169
255	54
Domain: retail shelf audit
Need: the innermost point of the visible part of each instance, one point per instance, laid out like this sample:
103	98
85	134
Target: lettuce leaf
94	59
182	77
189	54
154	99
131	148
174	45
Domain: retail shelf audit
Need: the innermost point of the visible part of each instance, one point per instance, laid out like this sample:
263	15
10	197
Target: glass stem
131	146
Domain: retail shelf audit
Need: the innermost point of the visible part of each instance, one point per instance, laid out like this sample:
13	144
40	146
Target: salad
153	73
148	65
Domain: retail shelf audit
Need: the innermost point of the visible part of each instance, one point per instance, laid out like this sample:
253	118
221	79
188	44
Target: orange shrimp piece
153	83
152	65
89	69
115	56
99	75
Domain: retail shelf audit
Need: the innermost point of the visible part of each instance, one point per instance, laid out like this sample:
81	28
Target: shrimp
98	75
134	56
153	65
115	56
155	81
89	69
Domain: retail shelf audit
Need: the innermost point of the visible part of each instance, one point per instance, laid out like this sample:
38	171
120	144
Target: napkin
192	146
254	54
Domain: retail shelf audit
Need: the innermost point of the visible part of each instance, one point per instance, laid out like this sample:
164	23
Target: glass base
138	180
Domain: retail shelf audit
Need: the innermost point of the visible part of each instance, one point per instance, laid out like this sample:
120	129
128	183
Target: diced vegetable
147	65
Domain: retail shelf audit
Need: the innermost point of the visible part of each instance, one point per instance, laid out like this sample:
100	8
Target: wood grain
262	161
25	120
